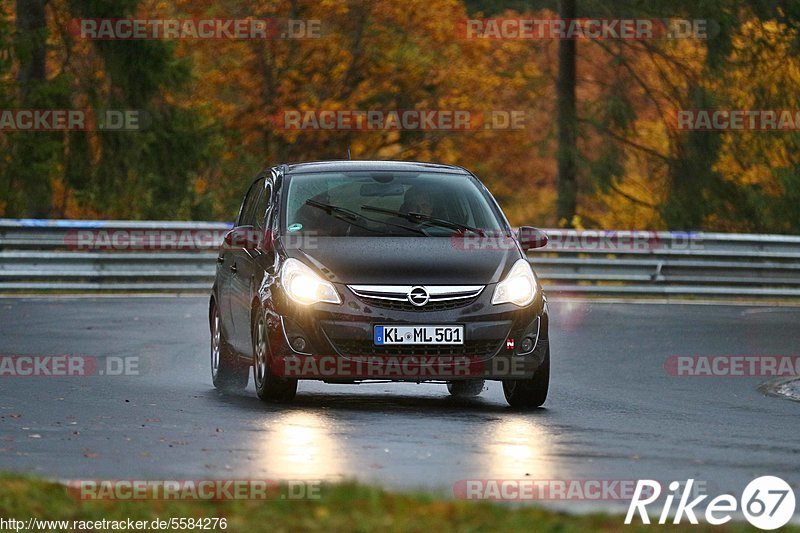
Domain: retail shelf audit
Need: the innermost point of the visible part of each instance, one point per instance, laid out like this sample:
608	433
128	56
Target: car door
245	275
226	259
236	289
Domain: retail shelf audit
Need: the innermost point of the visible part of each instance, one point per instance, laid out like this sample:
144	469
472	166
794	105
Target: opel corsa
358	271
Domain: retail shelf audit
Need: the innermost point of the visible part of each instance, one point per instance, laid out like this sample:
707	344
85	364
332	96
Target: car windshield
434	204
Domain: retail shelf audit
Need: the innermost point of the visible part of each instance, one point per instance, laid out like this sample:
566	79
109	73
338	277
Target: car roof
380	166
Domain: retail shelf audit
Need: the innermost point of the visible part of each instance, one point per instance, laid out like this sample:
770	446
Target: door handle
233	268
220	259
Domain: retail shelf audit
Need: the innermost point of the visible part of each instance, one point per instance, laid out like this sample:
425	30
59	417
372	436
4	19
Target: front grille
407	306
442	298
361	348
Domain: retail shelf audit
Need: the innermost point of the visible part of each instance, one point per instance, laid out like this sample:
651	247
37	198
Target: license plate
419	335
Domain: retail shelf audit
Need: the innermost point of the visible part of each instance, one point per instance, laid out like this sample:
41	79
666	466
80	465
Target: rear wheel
465	389
227	373
270	388
529	393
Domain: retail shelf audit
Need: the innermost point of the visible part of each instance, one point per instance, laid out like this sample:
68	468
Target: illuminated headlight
304	286
519	287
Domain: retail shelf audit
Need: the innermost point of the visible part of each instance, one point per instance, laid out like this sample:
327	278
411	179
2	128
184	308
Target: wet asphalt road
613	412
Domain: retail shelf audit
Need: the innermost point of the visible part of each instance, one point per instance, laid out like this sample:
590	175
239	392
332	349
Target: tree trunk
32	26
567	123
34	154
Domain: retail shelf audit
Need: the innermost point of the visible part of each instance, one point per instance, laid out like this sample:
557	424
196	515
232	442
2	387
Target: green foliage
125	174
347	506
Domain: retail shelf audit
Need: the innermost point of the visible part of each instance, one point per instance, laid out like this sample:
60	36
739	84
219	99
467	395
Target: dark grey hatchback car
358	271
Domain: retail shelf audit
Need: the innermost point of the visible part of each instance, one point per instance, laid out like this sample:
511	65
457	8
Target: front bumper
338	341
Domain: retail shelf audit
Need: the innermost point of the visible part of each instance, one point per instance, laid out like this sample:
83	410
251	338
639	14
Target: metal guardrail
72	256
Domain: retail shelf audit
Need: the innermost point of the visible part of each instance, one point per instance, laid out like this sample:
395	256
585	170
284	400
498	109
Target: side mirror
246	237
530	238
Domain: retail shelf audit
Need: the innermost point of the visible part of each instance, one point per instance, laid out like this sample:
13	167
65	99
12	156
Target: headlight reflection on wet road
518	446
300	445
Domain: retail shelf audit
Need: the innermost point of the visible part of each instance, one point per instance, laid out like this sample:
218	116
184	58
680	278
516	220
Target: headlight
519	287
306	287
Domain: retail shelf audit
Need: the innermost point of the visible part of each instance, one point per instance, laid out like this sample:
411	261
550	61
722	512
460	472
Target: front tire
468	388
227	373
529	393
270	388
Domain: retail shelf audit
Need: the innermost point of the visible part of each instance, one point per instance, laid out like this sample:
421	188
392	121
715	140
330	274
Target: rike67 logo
768	502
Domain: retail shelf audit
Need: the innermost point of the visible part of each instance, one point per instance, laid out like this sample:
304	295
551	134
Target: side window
262	207
249	205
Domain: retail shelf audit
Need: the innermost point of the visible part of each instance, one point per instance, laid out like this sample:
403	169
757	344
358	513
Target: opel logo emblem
418	296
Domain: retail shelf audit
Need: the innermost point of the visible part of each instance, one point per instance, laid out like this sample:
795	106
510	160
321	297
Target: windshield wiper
331	209
420	217
352	216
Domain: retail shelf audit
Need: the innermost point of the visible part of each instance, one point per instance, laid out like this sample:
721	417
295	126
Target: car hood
404	260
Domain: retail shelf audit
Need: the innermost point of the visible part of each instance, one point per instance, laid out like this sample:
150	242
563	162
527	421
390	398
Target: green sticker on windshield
295	227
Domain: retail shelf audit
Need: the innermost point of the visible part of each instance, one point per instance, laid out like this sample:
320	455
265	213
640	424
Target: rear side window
248	214
262	209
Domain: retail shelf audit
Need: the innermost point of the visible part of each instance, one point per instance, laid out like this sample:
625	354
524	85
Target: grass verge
341	507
